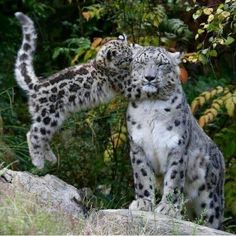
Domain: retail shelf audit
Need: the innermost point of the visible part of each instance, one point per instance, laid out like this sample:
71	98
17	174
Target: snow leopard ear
122	37
176	57
135	48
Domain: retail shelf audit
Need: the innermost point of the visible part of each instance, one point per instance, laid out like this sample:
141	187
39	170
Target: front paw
38	161
141	204
168	209
50	156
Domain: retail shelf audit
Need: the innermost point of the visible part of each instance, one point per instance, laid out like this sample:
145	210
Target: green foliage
93	11
217	29
175	29
74	48
42	9
137	18
143	21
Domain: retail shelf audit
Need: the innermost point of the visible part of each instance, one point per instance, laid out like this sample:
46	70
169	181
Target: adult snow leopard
167	142
74	88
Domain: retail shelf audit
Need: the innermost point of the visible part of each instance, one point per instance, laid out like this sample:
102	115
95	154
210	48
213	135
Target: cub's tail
24	71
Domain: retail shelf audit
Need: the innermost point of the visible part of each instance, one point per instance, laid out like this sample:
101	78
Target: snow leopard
83	86
167	144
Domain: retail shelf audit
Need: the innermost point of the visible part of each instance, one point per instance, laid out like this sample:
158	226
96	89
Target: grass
21	216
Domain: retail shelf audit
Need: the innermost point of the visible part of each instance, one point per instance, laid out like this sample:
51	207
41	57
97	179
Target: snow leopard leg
144	180
38	139
36	146
209	204
173	186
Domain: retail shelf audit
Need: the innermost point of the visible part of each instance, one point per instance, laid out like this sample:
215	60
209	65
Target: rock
140	222
57	196
47	191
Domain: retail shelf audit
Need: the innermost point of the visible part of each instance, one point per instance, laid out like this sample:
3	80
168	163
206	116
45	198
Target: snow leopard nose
149	77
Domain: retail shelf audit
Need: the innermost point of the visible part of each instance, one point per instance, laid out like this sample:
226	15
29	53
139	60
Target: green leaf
205	51
89	54
229	40
203	58
200	31
200	45
59	51
212	53
197	14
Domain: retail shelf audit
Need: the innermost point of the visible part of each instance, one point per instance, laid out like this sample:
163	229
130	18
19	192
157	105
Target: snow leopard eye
141	60
163	66
110	54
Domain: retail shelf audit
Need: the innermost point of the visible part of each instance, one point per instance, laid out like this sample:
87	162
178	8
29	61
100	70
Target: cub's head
156	71
115	55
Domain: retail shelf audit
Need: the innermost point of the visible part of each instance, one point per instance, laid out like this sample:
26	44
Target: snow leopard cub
167	142
74	88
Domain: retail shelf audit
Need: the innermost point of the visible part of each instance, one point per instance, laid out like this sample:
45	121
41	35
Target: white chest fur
148	124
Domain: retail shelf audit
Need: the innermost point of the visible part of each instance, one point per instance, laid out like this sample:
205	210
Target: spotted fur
74	88
167	142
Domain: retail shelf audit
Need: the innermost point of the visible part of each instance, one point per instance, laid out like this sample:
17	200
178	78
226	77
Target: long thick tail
24	71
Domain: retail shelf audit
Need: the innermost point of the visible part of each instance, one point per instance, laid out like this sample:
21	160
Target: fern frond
229	103
206	96
208	116
175	29
234	96
217	103
227	100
